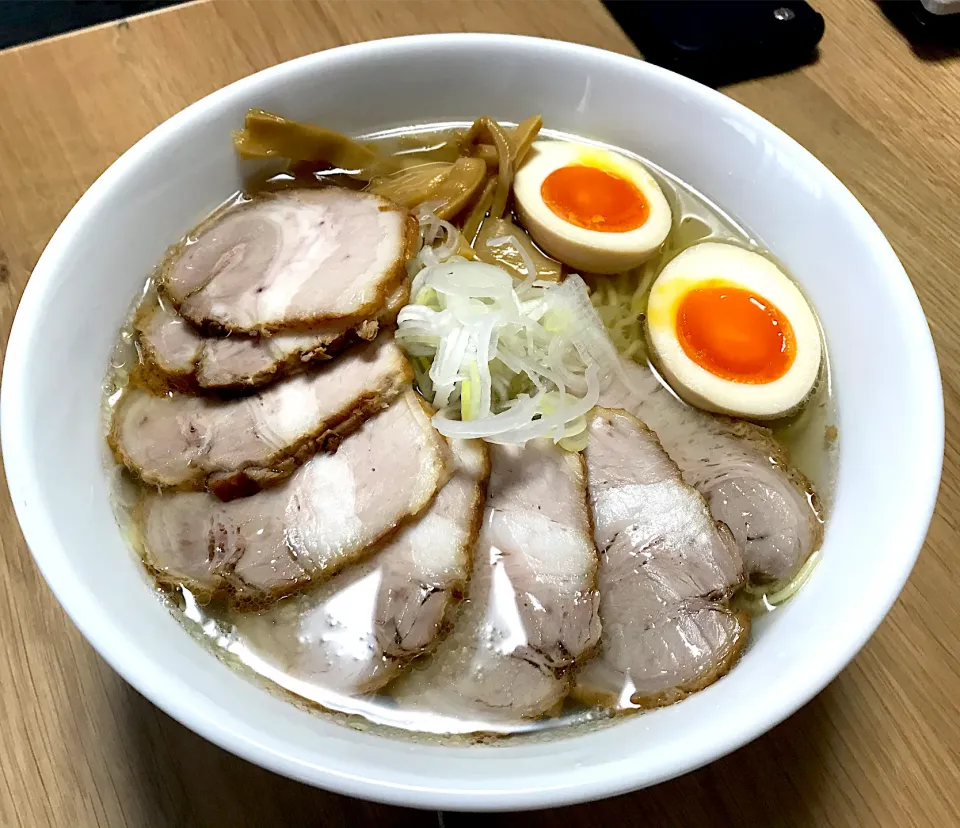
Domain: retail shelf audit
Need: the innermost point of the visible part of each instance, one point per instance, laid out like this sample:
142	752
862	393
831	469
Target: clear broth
809	437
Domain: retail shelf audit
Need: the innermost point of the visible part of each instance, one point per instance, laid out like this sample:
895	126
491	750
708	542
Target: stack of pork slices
291	473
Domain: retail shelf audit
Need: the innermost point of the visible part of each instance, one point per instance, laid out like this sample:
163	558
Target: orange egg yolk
594	199
735	334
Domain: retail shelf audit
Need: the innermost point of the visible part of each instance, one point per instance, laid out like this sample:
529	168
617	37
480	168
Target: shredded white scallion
493	355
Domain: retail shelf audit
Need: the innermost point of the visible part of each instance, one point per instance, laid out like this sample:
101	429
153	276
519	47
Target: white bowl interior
885	374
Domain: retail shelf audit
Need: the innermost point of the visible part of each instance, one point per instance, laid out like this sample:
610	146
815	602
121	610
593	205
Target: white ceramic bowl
885	373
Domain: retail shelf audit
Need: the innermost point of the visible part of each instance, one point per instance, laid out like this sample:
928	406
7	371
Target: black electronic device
721	41
934	35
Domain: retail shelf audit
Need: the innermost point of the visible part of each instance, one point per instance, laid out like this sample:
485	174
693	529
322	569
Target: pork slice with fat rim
238	445
292	260
532	604
331	512
738	467
357	631
177	354
666	572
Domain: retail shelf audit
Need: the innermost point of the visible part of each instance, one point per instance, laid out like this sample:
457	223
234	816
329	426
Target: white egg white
589	250
708	262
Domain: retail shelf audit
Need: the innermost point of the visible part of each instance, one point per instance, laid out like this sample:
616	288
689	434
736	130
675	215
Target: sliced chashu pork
532	606
357	631
426	566
239	445
666	571
328	514
738	467
291	261
181	356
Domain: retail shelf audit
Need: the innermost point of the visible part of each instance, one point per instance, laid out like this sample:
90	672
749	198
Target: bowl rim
204	718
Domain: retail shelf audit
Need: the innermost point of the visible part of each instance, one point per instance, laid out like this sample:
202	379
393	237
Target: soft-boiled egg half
591	208
731	333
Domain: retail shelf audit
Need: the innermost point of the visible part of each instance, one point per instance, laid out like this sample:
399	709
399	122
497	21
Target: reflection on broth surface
537	565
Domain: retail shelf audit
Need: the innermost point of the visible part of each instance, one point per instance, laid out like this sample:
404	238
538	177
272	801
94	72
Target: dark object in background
932	36
22	21
721	41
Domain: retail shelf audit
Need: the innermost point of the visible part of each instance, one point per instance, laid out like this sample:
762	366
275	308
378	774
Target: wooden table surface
880	746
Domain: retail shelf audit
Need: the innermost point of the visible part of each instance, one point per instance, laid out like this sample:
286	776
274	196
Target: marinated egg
731	333
591	208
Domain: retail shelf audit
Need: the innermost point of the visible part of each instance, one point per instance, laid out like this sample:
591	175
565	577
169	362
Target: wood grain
880	746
